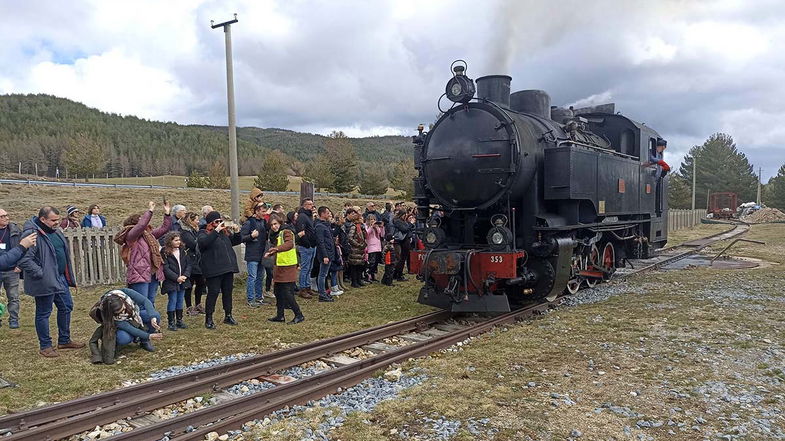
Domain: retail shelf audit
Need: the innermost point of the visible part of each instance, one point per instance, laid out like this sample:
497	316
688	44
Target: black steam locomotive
521	201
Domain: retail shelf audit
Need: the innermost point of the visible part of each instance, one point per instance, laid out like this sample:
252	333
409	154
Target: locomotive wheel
609	259
545	279
574	284
592	262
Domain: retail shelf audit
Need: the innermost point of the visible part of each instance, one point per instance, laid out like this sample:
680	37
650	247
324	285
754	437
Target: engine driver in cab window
656	153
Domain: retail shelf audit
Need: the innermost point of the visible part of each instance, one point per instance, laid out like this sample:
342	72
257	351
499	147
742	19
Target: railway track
427	333
678	252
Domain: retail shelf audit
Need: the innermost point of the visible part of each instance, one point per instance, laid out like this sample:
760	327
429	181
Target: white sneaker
335	291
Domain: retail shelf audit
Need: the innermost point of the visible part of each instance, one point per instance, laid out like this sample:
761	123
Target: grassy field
23	201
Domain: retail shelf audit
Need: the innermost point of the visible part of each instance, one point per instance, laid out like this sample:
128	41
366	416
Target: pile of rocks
765	215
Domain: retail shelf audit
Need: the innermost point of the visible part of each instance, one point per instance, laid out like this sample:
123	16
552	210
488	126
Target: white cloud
113	82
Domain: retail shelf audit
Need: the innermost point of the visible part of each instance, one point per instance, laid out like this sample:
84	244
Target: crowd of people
308	253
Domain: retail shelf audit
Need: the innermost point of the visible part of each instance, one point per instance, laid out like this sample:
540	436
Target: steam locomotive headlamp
433	237
460	88
499	236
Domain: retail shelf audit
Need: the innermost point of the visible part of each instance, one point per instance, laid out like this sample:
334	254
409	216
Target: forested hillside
59	133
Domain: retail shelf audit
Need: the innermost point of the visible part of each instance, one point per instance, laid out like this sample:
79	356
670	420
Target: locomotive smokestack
537	102
495	88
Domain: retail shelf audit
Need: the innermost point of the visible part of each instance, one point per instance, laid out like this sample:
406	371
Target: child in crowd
177	272
390	260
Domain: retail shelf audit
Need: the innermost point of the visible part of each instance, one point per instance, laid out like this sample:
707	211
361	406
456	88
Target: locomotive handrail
594	147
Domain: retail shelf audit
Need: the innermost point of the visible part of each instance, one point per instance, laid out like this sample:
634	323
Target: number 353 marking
497	259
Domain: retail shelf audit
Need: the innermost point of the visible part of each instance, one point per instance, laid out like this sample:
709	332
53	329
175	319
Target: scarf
155	257
130	311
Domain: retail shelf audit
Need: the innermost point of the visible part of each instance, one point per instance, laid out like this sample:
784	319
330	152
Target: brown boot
71	345
49	352
305	293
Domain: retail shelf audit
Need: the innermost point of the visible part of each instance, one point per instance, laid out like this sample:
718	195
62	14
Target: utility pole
760	171
233	175
694	167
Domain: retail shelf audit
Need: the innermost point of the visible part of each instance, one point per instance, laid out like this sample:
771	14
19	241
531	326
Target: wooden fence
680	219
96	260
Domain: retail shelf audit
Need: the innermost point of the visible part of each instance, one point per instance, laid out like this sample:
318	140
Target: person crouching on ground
285	270
141	251
219	265
177	273
123	315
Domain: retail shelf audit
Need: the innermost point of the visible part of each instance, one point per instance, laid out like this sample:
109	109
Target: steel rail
87	412
739	229
233	414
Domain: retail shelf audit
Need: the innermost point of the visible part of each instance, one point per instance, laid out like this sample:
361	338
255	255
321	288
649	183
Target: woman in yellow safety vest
285	270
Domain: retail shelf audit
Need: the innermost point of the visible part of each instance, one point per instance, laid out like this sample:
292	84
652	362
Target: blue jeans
176	300
306	264
43	309
324	269
254	286
123	338
333	278
147	289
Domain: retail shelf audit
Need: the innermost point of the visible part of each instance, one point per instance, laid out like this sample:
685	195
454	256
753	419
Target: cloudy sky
686	68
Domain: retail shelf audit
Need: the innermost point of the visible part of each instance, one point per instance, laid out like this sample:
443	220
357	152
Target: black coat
254	247
173	270
404	227
305	223
218	256
189	239
325	241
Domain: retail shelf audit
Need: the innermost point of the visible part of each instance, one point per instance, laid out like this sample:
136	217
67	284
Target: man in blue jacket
325	251
11	251
48	277
254	236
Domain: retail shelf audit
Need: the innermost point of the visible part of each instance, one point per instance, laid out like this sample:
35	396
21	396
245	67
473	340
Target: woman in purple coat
141	251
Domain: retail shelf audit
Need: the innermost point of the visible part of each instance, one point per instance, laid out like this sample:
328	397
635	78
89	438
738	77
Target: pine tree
720	168
373	181
196	180
319	172
401	178
84	156
679	192
343	162
217	177
775	190
272	174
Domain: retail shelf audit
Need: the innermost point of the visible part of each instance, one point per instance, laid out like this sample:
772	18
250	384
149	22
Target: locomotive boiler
518	200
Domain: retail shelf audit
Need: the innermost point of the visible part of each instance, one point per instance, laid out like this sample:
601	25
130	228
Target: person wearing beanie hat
218	264
71	220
